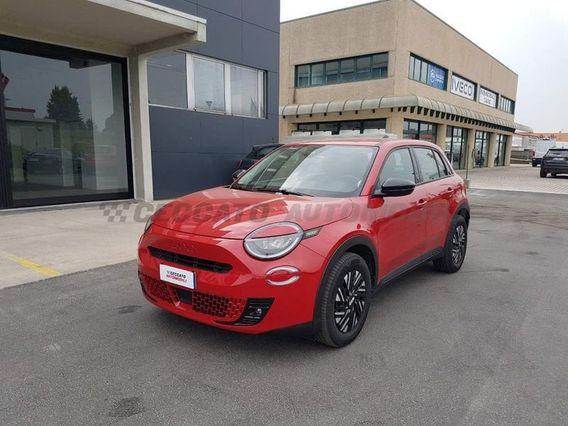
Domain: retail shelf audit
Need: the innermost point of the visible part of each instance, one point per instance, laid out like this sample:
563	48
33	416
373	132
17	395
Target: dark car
257	152
555	162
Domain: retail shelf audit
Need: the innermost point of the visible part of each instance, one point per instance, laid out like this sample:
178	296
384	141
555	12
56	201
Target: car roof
362	141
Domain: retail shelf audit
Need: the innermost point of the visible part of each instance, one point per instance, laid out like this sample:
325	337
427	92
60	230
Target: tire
543	172
534	164
347	278
553	174
455	249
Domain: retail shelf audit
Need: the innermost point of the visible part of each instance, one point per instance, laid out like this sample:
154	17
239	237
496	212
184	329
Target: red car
306	236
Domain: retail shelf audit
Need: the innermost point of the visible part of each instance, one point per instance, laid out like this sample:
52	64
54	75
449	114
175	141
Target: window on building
427	73
413	129
506	105
336	126
186	80
481	148
456	143
500	151
303	76
331	72
427	164
167	79
209	78
246	99
317	75
344	70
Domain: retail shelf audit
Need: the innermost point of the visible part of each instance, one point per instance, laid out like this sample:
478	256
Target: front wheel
456	246
543	172
344	301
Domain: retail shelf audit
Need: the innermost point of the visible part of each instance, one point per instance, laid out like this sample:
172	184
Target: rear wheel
456	246
344	301
543	172
553	174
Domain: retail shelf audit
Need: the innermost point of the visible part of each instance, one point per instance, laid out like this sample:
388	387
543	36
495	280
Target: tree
63	106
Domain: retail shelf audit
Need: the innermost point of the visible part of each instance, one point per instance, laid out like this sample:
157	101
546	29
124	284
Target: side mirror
238	174
396	187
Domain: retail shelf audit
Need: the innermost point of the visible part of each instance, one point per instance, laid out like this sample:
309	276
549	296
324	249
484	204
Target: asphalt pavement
488	345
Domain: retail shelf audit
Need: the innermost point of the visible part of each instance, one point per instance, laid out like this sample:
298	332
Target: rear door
399	222
437	182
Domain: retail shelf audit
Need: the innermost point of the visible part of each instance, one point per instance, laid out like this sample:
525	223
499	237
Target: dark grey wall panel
229	7
262	13
193	150
181	5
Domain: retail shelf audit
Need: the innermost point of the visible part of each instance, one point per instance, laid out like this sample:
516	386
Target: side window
427	164
397	165
444	171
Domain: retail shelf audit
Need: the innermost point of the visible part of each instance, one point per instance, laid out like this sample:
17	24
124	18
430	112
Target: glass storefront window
420	130
481	148
64	112
167	80
456	143
500	150
209	77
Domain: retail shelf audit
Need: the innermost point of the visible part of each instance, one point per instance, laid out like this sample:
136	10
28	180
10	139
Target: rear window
558	153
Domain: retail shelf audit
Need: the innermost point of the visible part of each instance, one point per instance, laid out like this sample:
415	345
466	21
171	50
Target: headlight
148	224
274	240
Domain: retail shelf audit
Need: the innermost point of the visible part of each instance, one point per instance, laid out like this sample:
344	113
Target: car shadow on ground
298	341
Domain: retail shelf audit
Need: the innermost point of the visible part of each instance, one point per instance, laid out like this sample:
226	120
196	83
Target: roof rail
318	136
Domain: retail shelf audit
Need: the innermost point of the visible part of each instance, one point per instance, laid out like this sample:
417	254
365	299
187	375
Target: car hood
230	213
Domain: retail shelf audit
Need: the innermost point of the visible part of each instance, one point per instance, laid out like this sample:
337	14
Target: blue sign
437	77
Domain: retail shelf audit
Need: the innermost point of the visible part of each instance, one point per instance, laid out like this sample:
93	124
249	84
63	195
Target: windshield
317	170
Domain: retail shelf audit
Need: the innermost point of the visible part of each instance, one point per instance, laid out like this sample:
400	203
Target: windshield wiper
286	192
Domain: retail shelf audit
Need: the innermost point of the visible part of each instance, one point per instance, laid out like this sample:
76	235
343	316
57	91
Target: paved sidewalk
38	244
517	178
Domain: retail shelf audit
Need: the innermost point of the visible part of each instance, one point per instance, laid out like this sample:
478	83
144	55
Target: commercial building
118	99
392	64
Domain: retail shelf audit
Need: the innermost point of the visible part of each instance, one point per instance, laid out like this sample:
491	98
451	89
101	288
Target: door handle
421	202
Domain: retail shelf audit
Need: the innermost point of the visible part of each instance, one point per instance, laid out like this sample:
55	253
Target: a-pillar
491	149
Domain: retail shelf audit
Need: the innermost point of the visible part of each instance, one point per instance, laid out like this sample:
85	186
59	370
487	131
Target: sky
530	37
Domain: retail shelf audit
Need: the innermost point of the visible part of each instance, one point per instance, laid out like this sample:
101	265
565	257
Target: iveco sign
462	87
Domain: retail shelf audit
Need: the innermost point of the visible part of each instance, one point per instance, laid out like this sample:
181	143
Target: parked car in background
257	153
541	148
305	236
554	162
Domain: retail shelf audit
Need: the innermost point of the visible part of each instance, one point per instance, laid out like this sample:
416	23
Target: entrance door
481	149
63	126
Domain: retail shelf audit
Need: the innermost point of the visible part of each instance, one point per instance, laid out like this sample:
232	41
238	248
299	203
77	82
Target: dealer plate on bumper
177	276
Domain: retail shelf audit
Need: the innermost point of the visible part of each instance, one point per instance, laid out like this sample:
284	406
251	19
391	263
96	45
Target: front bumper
238	299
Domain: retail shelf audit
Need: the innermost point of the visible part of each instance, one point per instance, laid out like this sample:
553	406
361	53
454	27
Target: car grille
193	262
224	309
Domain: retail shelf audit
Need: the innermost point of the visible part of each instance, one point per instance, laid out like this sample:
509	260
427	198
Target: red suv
306	236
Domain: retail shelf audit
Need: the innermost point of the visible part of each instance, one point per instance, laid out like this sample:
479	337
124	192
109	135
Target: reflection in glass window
317	74
209	77
420	130
303	76
347	69
167	79
65	122
335	126
500	151
456	140
427	164
343	70
244	91
398	165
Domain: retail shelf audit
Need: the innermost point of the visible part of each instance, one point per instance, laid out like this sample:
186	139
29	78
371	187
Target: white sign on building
463	88
487	97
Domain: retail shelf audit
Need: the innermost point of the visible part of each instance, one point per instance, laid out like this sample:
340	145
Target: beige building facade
392	64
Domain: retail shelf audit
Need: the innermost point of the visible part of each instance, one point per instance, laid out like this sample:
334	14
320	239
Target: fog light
282	275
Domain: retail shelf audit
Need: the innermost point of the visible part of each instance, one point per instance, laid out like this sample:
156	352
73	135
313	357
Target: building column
441	136
470	148
395	123
508	149
491	149
140	126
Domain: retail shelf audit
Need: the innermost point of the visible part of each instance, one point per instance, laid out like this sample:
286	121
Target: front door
399	222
